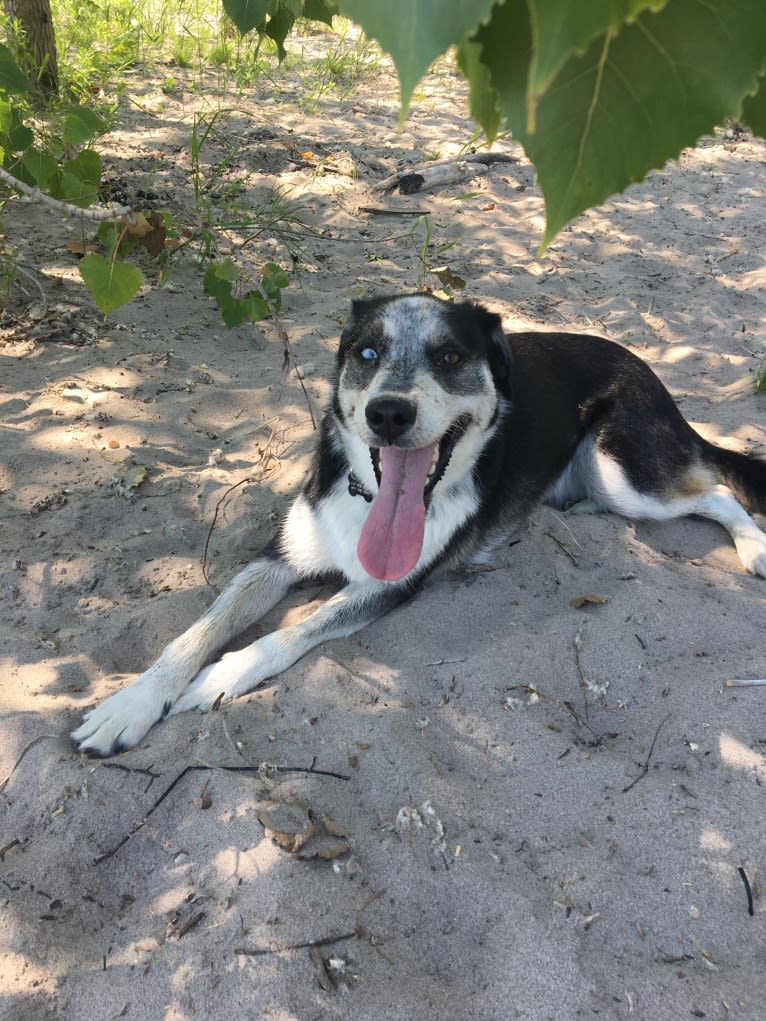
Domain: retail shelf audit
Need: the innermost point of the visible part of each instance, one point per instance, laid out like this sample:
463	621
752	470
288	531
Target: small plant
429	254
8	264
759	379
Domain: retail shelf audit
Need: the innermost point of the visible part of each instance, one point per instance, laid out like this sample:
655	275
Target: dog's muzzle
390	418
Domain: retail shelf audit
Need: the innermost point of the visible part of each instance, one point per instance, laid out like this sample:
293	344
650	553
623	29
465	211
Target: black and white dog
441	435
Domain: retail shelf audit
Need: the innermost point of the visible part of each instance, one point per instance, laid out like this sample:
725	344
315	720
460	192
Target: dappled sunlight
12	965
247	865
712	840
738	756
41	679
677	353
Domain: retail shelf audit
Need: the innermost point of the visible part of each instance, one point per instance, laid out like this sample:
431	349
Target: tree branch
111	212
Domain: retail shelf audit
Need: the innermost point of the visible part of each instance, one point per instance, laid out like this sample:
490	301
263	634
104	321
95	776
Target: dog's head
421	385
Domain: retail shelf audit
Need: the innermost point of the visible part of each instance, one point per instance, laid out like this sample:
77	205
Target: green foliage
13	81
598	93
224	281
111	283
52	164
274	19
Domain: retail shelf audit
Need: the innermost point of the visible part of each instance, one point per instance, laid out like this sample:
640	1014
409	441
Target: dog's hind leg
237	673
694	491
122	719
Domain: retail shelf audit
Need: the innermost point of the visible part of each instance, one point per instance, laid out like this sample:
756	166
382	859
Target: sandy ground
526	810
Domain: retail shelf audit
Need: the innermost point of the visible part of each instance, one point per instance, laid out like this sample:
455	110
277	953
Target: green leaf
278	27
19	136
754	109
225	269
561	29
108	234
81	179
6	116
81	124
41	166
254	307
416	32
112	284
483	100
294	6
219	283
632	101
12	78
274	275
246	14
320	10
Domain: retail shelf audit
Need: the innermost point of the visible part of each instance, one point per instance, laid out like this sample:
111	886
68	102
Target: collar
356	488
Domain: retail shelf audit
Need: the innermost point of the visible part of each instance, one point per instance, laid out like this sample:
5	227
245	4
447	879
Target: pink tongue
392	537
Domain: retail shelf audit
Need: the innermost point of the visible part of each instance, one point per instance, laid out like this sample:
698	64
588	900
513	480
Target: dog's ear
500	359
498	348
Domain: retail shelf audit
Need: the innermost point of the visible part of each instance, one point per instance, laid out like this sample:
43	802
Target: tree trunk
37	43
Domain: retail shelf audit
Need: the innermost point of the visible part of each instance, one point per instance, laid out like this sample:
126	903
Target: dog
442	434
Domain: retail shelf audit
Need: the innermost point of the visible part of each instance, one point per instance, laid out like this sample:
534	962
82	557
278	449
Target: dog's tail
744	474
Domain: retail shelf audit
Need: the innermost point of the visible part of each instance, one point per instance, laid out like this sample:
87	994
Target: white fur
597	481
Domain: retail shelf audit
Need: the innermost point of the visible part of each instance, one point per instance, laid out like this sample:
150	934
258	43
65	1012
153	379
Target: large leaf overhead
416	32
632	101
246	14
754	108
563	28
598	92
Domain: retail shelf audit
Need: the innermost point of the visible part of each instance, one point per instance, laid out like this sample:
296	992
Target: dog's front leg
239	672
122	720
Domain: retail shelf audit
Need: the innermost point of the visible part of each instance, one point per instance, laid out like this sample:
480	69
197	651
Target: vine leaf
112	284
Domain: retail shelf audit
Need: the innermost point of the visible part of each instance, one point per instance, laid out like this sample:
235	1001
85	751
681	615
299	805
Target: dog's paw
234	674
120	721
752	552
757	565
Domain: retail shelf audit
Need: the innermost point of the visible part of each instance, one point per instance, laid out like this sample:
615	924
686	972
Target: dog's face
421	386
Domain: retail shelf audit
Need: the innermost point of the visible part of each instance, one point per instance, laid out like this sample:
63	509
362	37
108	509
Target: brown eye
451	358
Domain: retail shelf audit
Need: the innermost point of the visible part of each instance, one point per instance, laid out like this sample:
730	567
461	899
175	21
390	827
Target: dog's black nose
390	417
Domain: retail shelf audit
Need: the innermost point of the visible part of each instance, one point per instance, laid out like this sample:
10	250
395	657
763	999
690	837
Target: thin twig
215	518
562	547
382	211
134	769
18	268
554	701
200	768
645	768
309	944
486	158
583	681
32	743
748	891
8	847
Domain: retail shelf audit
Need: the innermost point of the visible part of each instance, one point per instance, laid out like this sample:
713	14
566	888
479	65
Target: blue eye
368	354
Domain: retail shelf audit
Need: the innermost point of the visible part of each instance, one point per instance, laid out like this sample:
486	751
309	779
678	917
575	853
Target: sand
522	809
